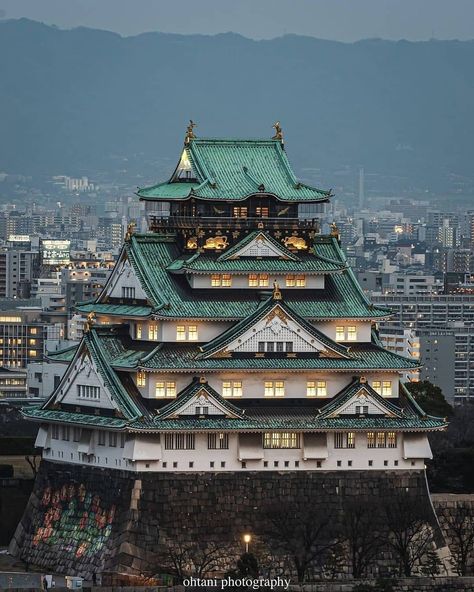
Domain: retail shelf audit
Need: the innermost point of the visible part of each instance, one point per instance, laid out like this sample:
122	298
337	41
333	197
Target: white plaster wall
200	458
253	382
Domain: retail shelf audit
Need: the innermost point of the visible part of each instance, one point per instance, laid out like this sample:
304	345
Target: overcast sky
344	20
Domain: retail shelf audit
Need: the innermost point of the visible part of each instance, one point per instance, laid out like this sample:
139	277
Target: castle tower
231	338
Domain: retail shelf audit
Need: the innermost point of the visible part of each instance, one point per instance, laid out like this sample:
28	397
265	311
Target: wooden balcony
159	222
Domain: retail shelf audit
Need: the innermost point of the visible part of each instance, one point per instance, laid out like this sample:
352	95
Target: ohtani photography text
230	583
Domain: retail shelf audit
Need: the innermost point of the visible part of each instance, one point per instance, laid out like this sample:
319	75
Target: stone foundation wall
82	520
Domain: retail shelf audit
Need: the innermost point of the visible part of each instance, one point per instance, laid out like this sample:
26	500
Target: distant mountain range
81	100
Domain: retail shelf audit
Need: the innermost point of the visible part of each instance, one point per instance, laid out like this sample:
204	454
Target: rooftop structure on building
233	336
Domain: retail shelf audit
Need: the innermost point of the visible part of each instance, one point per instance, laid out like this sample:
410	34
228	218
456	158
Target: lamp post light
247	539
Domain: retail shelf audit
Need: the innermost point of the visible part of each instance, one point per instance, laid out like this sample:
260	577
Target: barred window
340	334
192	333
386	388
381	440
370	439
344	440
65	433
215	280
86	391
226	280
122	440
377	386
101	438
391	440
300	281
179	441
218	441
128	292
76	434
281	440
55	432
180	333
316	388
112	439
290	280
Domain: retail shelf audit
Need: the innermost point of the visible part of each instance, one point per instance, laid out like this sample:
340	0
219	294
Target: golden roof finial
130	231
190	132
334	230
89	322
278	131
276	291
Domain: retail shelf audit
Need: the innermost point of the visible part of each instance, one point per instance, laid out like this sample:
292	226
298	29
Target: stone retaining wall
81	520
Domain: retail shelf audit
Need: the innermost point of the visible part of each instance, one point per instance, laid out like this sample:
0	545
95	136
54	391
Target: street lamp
247	539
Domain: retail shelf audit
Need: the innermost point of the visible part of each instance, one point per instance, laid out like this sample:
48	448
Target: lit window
321	389
34	331
32	341
260	280
381	442
226	280
344	440
275	388
192	333
351	333
180	333
392	440
253	280
262	212
281	440
263	280
165	390
340	335
153	331
141	378
386	388
218	441
232	388
139	331
33	353
239	212
370	439
300	281
311	388
377	386
290	281
215	280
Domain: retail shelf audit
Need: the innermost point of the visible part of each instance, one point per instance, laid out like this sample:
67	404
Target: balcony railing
160	222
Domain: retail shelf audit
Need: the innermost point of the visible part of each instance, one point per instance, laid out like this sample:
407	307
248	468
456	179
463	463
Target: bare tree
300	532
187	559
361	532
33	462
409	532
459	523
209	558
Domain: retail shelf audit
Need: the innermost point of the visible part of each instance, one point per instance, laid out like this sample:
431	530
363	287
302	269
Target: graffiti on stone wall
73	520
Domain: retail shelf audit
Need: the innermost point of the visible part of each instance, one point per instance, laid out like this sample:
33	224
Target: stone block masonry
80	520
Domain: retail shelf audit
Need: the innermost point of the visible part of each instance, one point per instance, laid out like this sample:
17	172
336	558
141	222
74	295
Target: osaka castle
233	336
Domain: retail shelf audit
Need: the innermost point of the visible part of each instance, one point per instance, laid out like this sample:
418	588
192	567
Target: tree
430	398
361	527
195	559
300	532
459	523
409	532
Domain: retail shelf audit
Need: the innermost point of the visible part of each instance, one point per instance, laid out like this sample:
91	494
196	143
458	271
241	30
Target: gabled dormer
259	244
360	399
199	400
273	329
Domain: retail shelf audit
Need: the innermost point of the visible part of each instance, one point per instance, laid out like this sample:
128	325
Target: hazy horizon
338	20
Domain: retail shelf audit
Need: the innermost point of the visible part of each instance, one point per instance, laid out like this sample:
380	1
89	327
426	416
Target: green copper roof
235	169
122	310
221	341
62	355
172	297
274	422
323	260
169	358
62	416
